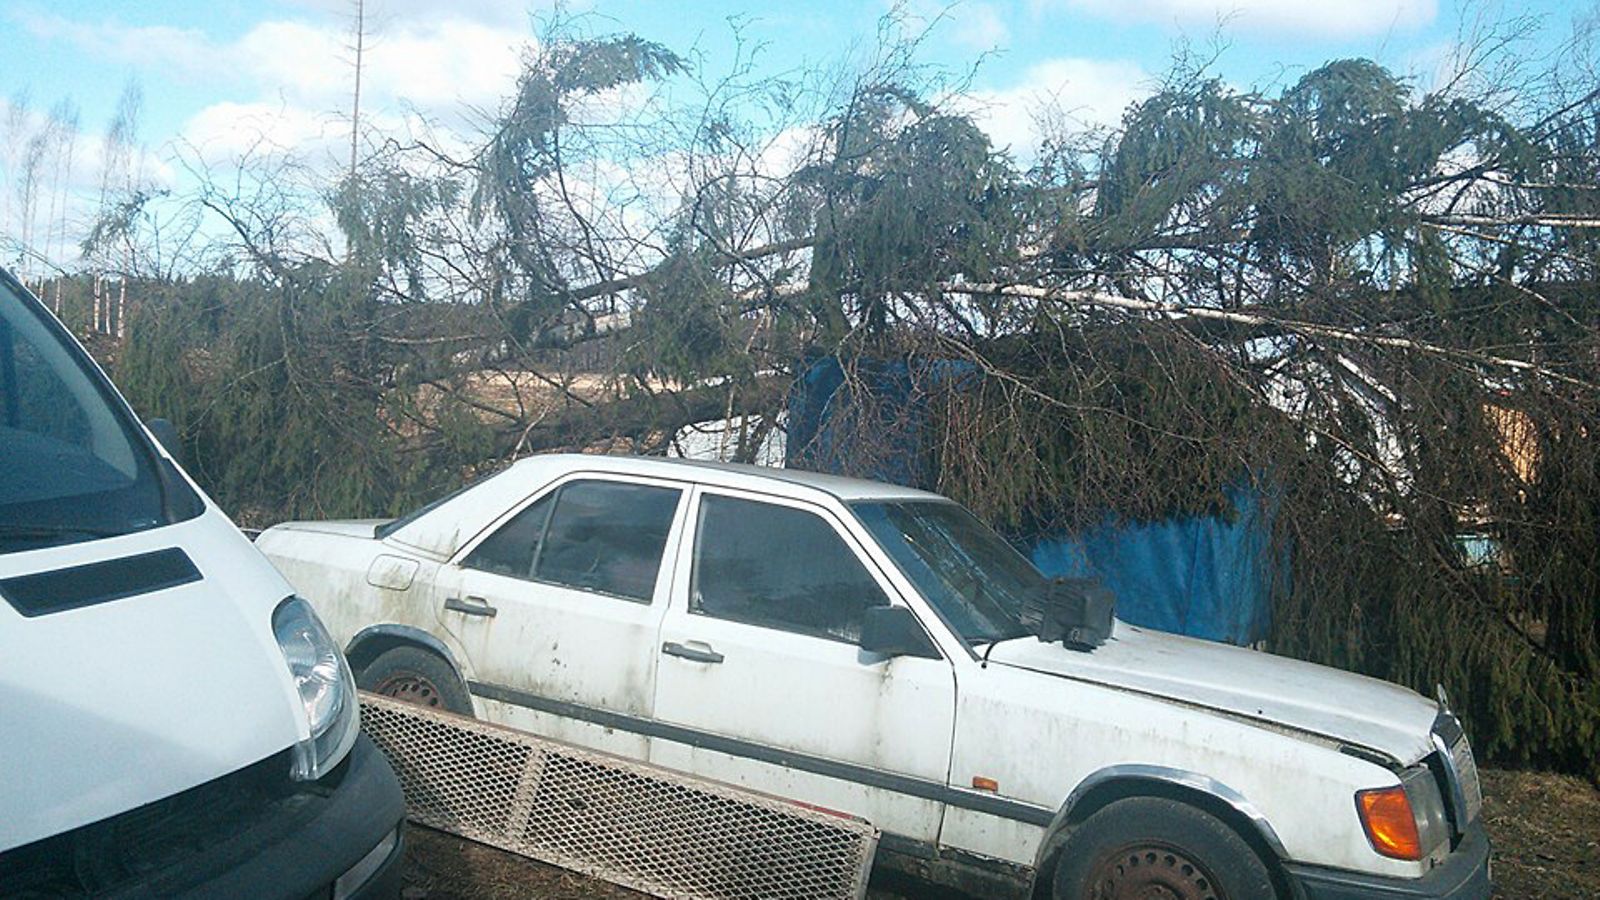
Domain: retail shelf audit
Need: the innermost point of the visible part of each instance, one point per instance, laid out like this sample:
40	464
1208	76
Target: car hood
361	528
1279	692
115	705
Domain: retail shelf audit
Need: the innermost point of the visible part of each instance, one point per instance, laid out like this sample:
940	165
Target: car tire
414	675
1155	847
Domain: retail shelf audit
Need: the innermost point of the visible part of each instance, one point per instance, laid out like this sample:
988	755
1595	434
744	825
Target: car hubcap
1151	872
408	688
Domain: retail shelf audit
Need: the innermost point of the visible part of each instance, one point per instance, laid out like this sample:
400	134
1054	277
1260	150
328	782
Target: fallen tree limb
618	285
1289	326
641	416
1548	220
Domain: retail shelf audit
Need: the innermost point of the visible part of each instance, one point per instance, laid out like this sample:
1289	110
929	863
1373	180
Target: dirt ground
1546	834
1545	829
441	866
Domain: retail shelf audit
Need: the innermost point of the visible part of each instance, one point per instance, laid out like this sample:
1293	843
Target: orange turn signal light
1391	826
985	783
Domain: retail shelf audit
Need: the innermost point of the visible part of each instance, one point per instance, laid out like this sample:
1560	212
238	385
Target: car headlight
326	688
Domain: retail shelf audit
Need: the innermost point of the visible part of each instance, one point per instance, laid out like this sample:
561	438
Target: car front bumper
1464	875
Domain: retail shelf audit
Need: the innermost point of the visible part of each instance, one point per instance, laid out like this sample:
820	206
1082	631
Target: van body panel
154	740
121	703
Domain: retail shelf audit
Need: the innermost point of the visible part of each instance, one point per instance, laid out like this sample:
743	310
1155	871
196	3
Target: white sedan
877	650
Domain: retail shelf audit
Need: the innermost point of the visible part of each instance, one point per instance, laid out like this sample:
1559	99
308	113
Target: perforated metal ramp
626	822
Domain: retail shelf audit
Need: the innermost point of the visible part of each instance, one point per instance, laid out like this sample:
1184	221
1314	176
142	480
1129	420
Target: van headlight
326	688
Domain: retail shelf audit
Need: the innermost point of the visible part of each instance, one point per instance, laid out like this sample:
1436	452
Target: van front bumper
1464	875
341	843
253	833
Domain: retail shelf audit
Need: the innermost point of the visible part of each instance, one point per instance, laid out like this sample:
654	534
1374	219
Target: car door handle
472	606
708	655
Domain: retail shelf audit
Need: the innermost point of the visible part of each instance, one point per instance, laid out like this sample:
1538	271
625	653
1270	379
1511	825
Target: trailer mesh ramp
629	823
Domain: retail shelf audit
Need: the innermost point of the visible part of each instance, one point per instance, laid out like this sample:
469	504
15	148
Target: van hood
1276	691
114	705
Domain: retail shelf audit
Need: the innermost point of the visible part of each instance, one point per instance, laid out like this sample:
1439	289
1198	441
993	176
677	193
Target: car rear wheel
1151	848
414	675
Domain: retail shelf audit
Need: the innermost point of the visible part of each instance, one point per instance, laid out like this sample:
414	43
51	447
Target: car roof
729	475
443	528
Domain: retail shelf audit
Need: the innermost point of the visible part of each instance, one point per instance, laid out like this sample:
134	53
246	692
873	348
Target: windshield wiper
989	642
14	531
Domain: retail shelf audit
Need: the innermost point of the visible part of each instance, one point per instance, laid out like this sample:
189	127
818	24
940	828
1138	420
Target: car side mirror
895	631
167	434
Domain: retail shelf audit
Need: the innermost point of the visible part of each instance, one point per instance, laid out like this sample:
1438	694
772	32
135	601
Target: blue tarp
1206	577
1202	576
895	419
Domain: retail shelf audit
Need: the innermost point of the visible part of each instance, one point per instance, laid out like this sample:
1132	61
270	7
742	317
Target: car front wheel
413	675
1150	847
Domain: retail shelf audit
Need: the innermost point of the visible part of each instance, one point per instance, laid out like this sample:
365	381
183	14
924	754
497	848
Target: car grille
1466	769
1457	770
127	849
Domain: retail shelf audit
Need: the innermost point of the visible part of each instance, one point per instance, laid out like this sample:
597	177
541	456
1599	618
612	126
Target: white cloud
973	24
172	48
229	130
978	25
304	69
454	61
787	151
1087	92
281	91
68	189
427	64
1314	18
380	13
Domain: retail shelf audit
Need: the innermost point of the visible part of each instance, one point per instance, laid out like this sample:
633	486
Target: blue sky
218	74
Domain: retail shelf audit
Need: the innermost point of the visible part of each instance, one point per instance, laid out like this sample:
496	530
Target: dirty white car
877	650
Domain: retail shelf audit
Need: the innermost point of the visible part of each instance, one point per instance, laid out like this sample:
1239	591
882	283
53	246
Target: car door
558	605
761	681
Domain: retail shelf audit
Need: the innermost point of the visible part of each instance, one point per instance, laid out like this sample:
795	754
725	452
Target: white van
173	721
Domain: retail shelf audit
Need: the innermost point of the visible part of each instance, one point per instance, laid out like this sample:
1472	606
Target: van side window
778	567
511	549
31	392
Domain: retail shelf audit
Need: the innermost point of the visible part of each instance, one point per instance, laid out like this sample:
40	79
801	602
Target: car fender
1142	780
373	640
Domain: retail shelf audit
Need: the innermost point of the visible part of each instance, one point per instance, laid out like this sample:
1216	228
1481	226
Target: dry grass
1546	834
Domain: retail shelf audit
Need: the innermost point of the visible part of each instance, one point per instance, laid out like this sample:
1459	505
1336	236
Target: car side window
607	536
779	567
512	548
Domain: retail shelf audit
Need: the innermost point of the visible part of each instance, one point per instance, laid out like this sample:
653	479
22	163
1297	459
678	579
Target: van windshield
71	467
975	580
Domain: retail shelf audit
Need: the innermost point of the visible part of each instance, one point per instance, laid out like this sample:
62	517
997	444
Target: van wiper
16	531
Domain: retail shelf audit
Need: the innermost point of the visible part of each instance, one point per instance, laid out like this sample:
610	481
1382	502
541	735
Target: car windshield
976	581
73	469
